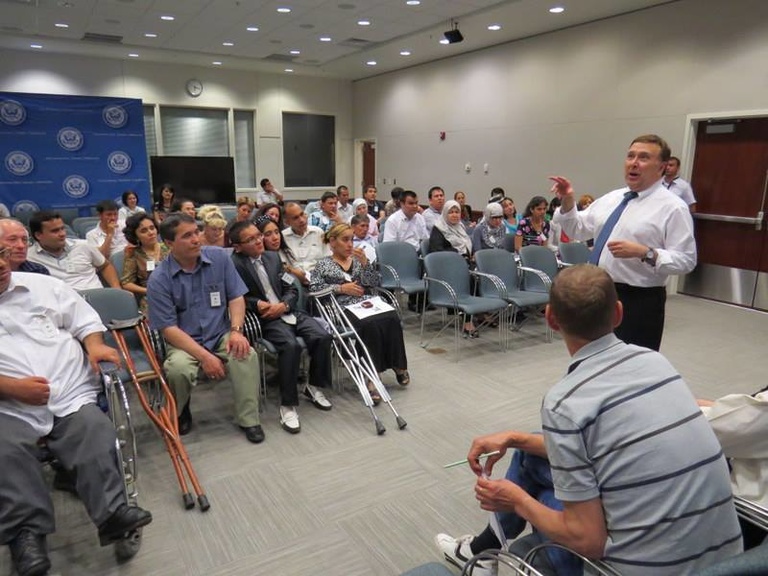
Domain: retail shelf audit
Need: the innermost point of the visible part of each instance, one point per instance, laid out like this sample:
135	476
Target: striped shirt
623	426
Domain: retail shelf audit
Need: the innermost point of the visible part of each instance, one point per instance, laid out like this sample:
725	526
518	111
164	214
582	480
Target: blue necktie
602	238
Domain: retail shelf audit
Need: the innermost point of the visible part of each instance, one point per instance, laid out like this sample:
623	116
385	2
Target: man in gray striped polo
639	478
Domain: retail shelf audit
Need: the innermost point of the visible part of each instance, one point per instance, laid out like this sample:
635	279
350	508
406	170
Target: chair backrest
402	257
499	263
68	214
114	304
118	259
451	268
540	258
229	212
509	242
84	224
424	247
574	252
70	232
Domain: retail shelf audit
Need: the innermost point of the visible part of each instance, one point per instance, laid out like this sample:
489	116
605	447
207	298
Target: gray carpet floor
339	500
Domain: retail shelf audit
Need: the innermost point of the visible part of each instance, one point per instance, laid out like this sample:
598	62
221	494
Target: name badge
69	266
287	277
215	299
150	265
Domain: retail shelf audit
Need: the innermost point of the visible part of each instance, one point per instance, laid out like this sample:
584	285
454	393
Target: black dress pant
318	342
643	322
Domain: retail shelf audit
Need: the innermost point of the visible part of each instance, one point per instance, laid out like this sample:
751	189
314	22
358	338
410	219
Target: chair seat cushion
472	304
522	298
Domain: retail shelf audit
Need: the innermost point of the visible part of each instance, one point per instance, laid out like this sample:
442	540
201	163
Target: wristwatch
650	257
236	329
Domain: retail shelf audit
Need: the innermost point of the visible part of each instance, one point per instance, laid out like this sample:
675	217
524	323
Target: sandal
375	396
403	378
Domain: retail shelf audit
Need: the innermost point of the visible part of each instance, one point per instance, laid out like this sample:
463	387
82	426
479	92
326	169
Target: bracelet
238	329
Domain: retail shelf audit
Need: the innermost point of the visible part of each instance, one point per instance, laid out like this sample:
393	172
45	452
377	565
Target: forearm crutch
162	409
354	355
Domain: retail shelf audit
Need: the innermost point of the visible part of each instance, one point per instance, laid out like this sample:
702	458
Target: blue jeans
533	474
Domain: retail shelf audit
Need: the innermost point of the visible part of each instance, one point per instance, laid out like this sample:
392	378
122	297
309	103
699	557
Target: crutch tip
401	423
189	501
380	428
202	500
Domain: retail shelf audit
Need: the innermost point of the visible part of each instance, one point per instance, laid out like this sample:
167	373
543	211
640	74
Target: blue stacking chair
574	253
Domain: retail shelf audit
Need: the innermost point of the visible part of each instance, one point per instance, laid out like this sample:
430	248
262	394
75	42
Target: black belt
621	287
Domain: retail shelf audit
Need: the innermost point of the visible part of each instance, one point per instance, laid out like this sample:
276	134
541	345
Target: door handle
727	218
761	213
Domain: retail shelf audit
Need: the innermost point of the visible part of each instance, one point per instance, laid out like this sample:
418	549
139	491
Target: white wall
270	95
565	103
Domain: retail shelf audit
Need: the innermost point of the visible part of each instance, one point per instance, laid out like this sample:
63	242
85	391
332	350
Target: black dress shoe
254	434
125	519
29	554
185	420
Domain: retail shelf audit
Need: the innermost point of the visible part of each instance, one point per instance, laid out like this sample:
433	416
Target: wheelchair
113	400
353	354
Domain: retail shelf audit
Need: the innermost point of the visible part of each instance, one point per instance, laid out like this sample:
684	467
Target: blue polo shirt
195	301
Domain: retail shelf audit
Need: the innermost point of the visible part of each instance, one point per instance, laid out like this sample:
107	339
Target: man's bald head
583	302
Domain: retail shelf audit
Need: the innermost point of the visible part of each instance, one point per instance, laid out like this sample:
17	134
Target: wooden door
369	164
729	180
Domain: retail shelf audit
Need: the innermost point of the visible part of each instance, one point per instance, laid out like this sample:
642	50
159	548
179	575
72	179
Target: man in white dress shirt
677	185
269	194
306	242
432	214
107	236
406	225
344	208
75	262
50	345
651	240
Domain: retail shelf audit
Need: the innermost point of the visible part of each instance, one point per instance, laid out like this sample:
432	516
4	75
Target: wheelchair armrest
123	324
597	567
108	367
751	512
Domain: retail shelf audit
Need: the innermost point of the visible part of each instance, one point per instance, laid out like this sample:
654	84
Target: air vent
103	38
279	58
356	43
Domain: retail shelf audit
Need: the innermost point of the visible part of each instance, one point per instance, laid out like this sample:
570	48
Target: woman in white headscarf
449	235
491	231
360	207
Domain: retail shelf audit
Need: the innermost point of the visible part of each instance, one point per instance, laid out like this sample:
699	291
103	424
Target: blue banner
70	151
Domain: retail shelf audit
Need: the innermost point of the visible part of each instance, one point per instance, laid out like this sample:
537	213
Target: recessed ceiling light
405	52
557	9
413	2
36	46
295	52
167	18
494	27
133	55
371	63
227	43
283	10
363	22
61	25
444	41
289	69
252	29
150	35
326	39
216	63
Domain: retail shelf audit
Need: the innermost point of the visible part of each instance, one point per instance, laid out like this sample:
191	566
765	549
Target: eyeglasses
252	239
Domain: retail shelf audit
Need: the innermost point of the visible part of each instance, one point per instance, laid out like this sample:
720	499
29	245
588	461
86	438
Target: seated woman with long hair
449	235
214	224
274	211
141	258
533	229
274	240
351	275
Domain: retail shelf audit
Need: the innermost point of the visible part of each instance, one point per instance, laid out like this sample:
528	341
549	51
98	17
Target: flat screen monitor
202	179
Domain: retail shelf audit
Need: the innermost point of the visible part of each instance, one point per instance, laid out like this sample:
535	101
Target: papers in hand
369	307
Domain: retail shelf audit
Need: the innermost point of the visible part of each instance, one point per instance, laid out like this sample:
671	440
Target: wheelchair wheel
129	546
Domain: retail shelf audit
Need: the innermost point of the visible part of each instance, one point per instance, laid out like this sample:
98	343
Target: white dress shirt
430	217
97	236
682	188
346	211
42	324
740	422
400	229
77	266
656	218
263	197
307	249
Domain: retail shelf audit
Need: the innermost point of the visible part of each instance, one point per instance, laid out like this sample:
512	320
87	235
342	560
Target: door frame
358	163
689	148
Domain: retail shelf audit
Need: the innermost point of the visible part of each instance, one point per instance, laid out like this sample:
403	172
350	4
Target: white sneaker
289	419
457	552
317	397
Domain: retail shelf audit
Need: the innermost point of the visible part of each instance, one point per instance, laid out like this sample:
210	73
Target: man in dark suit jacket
273	296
